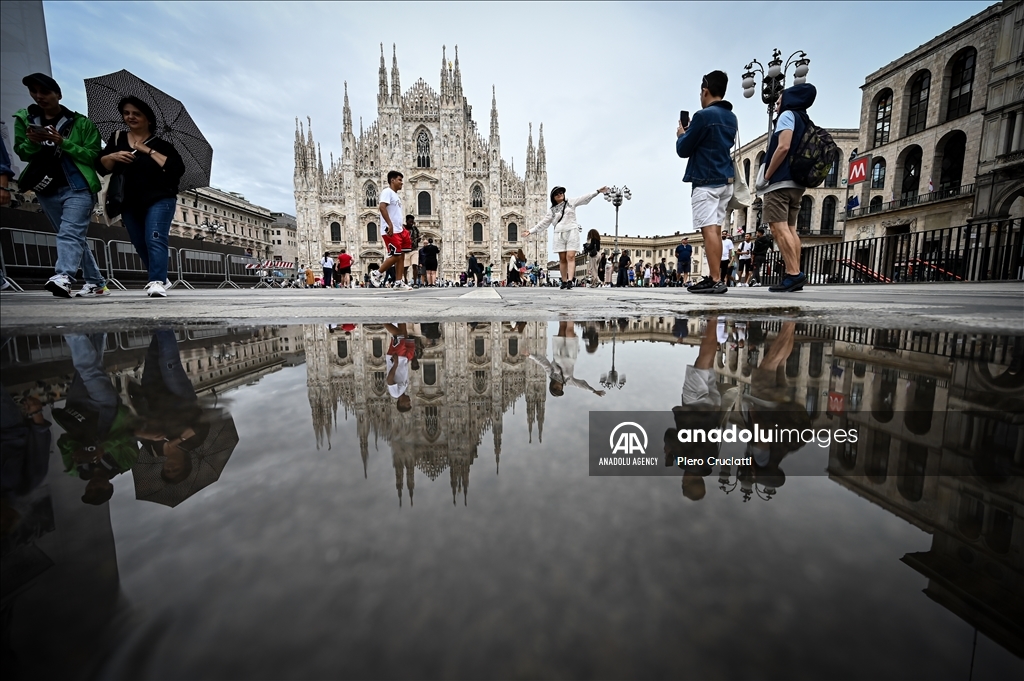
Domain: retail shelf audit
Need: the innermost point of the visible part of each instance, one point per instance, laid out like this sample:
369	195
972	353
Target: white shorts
700	388
566	240
709	205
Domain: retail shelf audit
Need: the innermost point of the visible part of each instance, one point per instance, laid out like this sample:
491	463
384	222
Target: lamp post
773	79
612	379
616	196
211	229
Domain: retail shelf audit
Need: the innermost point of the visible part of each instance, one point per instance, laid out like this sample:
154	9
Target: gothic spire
494	119
531	155
457	80
347	113
445	85
396	88
382	93
541	155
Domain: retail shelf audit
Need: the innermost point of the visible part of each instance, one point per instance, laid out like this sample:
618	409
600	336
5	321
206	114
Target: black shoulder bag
44	167
114	201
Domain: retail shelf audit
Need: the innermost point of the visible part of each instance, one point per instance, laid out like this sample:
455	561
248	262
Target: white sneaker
155	289
93	291
375	278
401	286
59	285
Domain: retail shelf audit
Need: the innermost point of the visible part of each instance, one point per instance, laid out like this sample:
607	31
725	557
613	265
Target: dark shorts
782	205
683	266
344	270
430	266
745	265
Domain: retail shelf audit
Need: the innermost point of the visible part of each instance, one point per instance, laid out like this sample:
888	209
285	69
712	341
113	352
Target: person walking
759	254
647	275
727	249
429	260
662	273
684	254
781	195
343	270
604	270
592	248
412	256
327	263
397	239
61	147
476	270
745	249
707	142
562	216
624	269
151	168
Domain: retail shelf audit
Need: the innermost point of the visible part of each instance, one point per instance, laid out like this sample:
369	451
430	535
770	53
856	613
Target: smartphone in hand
684	119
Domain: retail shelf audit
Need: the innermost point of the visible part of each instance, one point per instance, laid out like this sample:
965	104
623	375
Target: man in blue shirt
707	142
684	253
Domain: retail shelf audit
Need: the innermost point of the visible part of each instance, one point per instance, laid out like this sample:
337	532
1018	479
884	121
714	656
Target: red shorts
402	347
398	243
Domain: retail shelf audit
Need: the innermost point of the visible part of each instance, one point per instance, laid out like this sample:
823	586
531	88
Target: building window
911	173
478	347
876	205
960	85
335	231
422	150
952	165
423	203
342	349
803	218
371	232
513	347
371	195
832	179
513	231
828	215
883	117
918	115
478	196
878	174
478	232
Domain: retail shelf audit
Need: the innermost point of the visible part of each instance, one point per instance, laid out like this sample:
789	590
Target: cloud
607	80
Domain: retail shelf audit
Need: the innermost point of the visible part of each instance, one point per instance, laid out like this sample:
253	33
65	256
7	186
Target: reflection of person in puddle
24	454
98	443
565	347
400	356
701	408
172	423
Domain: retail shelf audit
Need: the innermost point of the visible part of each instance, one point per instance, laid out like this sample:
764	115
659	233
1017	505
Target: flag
854	202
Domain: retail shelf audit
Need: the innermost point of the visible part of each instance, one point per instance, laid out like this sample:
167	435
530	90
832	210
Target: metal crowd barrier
22	249
239	274
125	263
201	266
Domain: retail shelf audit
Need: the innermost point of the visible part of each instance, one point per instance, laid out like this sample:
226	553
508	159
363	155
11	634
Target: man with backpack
759	254
783	186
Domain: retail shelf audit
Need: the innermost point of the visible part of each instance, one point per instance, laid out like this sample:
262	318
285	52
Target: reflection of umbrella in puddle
208	461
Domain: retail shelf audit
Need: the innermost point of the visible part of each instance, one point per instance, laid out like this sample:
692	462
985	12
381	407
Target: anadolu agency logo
631	440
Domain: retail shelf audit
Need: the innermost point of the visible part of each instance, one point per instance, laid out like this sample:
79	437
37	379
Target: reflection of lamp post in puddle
612	379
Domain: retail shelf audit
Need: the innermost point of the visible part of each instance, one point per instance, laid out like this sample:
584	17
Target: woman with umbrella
151	168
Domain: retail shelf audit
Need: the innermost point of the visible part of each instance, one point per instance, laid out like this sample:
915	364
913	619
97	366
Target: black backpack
813	156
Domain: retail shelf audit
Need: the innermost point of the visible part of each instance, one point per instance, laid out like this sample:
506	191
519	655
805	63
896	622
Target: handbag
112	192
740	191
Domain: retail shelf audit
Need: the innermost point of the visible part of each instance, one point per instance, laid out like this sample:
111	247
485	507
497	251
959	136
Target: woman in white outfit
562	217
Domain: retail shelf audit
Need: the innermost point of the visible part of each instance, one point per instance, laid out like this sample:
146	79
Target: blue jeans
91	386
69	211
148	229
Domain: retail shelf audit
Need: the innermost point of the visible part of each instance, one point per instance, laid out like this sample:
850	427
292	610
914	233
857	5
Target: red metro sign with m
858	170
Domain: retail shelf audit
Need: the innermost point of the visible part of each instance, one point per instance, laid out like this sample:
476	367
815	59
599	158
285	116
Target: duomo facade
463	194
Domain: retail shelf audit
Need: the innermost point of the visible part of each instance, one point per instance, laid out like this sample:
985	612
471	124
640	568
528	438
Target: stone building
284	243
926	123
463	193
466	378
223	217
651	249
821	209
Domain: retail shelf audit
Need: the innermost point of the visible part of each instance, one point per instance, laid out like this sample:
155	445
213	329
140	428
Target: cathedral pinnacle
445	86
541	155
396	88
347	114
382	93
531	154
457	81
494	119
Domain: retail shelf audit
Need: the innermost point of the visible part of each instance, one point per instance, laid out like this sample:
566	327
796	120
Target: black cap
42	80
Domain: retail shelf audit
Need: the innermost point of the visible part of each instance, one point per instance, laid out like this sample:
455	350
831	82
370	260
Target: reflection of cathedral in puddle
468	376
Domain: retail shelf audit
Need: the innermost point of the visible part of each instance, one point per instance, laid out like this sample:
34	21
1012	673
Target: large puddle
418	500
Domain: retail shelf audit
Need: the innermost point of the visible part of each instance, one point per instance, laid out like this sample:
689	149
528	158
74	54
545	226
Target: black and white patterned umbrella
173	124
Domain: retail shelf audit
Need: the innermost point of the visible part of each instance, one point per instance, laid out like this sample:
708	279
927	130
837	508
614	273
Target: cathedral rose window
371	196
478	195
422	150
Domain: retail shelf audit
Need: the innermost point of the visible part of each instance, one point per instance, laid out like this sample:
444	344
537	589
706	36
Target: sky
607	80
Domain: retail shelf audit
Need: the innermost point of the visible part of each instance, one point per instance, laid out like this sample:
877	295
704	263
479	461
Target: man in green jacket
65	144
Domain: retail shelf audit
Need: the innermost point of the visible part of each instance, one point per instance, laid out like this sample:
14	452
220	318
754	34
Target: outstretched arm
543	224
587	198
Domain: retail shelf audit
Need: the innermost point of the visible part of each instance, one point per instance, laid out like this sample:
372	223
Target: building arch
371	231
422	141
949	162
915	101
478	232
832	179
335	231
513	232
828	214
371	195
959	77
803	218
746	170
878	174
876	204
881	109
1011	205
908	172
424	204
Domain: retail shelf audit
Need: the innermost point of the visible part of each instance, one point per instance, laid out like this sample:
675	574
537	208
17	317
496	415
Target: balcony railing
912	201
